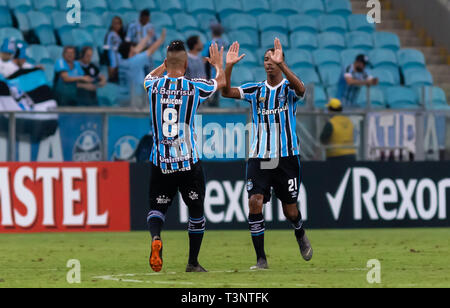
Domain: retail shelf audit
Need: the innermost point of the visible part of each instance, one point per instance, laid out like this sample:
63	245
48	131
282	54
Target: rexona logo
64	197
391	199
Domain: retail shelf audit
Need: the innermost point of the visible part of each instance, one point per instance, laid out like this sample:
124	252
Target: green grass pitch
409	258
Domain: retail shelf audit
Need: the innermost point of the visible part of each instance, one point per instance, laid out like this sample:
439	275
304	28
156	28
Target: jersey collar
276	87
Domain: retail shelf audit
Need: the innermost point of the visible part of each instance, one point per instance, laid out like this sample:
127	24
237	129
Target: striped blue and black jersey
173	105
273	119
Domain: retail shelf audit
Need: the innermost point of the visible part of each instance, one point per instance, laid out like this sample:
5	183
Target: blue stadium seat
385	77
331	40
77	37
228	7
299	58
324	57
268	37
55	52
386	40
205	21
10	33
49	70
100	35
173	35
240	22
108	95
96	6
38	20
46	6
5	18
245	40
91	21
338	7
303	40
330	74
385	59
259	73
410	58
272	22
359	40
3	3
435	98
169	6
417	77
162	20
22	21
377	100
401	98
303	22
140	5
332	91
39	54
46	36
241	75
130	17
200	6
20	5
358	22
256	7
312	7
320	97
62	4
60	22
185	22
250	60
286	7
332	23
187	34
348	56
123	5
308	75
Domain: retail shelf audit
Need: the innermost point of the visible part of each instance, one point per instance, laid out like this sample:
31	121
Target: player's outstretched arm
155	46
216	60
232	58
278	58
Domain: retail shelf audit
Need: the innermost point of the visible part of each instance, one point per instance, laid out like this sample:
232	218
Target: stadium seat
91	21
10	33
3	3
49	70
304	23
39	54
38	20
435	98
200	6
348	56
96	6
60	23
5	18
169	6
324	57
173	35
185	22
272	22
330	74
417	77
245	40
268	37
125	5
78	38
376	98
401	98
338	7
99	33
22	21
140	5
241	75
240	22
359	40
205	21
320	97
410	58
46	36
130	17
385	59
256	7
55	52
298	58
331	40
285	7
332	23
308	75
332	91
385	77
250	60
23	6
62	5
187	34
259	73
386	40
46	6
303	40
312	7
228	7
162	20
358	22
108	95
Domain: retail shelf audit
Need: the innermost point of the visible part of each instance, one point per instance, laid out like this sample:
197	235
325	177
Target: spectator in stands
131	73
113	39
7	51
196	63
87	92
338	134
139	30
352	79
68	73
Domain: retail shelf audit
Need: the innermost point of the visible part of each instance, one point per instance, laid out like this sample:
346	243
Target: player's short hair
176	54
192	41
124	49
175	46
273	50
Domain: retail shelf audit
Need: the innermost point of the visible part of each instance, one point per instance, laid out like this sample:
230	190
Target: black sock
257	228
298	226
196	231
155	221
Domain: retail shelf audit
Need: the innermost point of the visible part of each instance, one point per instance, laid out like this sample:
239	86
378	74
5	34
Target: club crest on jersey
249	185
282	99
193	195
163	200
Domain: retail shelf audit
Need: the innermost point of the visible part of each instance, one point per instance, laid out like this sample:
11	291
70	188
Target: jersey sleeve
60	66
293	93
206	88
149	81
248	91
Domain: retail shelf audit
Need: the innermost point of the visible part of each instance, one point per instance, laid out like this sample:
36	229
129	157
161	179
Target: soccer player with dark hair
274	154
174	100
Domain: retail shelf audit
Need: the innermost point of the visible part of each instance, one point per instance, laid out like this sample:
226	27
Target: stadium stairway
394	20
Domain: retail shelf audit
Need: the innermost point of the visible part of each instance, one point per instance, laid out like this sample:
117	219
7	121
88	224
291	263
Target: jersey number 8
170	125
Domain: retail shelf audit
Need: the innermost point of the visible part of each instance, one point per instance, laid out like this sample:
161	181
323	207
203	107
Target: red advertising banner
64	197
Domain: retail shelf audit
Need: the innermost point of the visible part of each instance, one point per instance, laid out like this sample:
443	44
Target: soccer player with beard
174	100
274	152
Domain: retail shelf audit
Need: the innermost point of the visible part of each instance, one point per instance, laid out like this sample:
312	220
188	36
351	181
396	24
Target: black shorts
285	179
164	187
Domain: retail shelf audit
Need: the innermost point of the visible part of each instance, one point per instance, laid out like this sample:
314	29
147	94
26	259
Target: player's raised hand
215	56
233	54
277	55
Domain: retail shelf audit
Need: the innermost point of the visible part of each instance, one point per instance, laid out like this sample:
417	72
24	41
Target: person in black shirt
88	91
